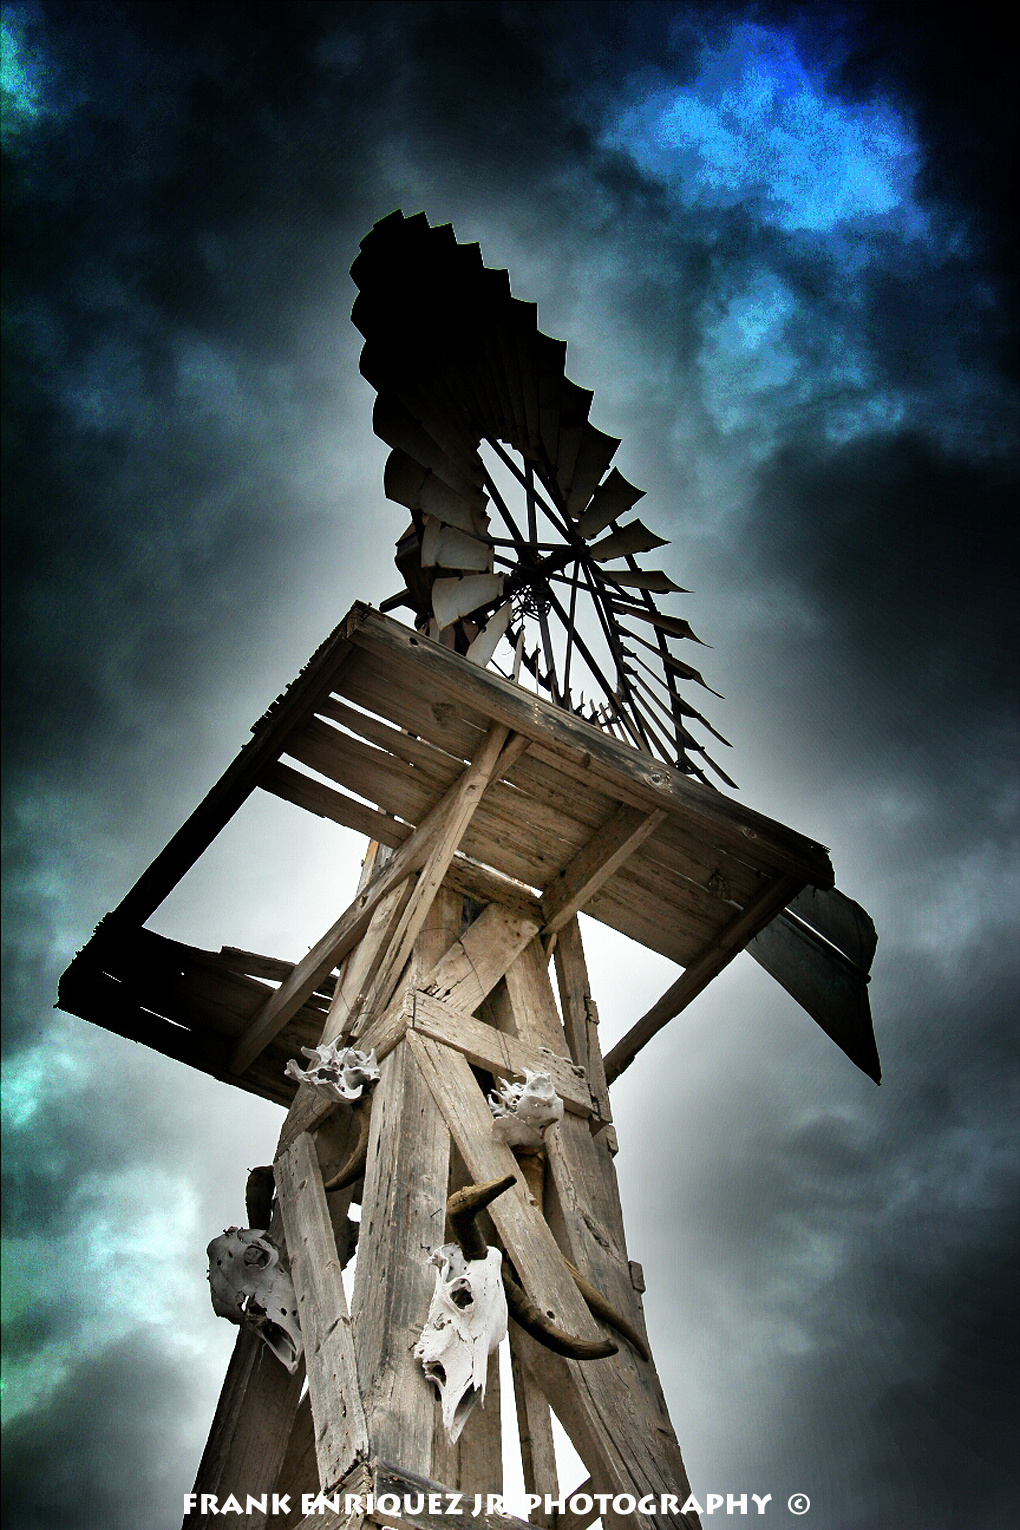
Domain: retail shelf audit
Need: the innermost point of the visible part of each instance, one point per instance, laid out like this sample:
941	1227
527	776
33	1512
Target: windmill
523	752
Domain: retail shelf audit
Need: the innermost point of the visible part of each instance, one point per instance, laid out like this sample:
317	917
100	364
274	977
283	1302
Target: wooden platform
375	730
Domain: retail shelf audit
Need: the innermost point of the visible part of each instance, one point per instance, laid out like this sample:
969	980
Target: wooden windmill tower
496	813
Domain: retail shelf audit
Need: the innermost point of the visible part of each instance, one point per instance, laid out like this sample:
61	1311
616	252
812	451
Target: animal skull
524	1112
466	1322
250	1287
343	1071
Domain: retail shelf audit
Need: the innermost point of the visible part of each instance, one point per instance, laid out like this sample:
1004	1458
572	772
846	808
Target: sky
780	244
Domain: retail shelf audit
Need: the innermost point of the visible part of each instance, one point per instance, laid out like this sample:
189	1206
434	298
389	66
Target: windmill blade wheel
522	550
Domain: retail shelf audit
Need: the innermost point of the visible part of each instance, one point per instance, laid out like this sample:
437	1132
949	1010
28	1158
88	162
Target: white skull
466	1322
524	1112
343	1071
250	1287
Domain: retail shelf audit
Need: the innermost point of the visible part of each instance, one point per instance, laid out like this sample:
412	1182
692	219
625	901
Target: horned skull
524	1112
250	1287
467	1320
343	1071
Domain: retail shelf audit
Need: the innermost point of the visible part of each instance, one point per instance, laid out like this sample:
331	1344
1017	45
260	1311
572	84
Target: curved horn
354	1168
258	1196
524	1312
600	1308
461	1210
464	1205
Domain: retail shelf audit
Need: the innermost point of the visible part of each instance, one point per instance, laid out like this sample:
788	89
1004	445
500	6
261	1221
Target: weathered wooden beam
473	966
585	751
581	1017
593	865
352	924
250	1429
403	1216
716	955
534	1427
341	1433
492	759
401	1484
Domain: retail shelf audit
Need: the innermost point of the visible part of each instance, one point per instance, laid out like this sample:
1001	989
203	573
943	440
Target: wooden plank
520	1223
458	814
506	1056
325	802
534	1427
370	772
564	737
595	864
583	1206
581	1017
474	965
700	973
250	1429
354	989
396	741
341	1433
348	929
241	777
402	1222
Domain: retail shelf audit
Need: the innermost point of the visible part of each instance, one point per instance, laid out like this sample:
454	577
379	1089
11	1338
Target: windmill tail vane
517	531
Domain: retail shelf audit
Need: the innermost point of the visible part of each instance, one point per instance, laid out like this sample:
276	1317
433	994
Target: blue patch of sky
757	132
759	125
23	75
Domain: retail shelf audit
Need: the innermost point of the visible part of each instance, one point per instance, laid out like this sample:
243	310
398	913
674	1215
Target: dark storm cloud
187	466
73	1464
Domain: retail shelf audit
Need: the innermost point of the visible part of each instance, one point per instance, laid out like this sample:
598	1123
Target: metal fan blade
635	537
672	624
482	648
646	579
594	456
447	547
406	482
395	425
574	405
612	498
454	598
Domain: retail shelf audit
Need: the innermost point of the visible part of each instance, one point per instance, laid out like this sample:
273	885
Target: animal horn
354	1168
600	1308
461	1209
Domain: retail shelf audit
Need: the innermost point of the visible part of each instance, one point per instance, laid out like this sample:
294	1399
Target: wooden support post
341	1434
534	1425
581	1017
595	863
250	1428
453	812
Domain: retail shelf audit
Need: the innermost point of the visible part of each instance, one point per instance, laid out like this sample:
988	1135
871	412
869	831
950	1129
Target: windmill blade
482	648
397	426
593	457
611	499
448	547
646	579
635	537
842	921
575	403
832	989
406	482
674	625
453	598
670	660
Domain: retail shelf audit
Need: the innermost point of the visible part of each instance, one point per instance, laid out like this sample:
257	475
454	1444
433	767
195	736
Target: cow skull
524	1112
343	1072
467	1321
250	1287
